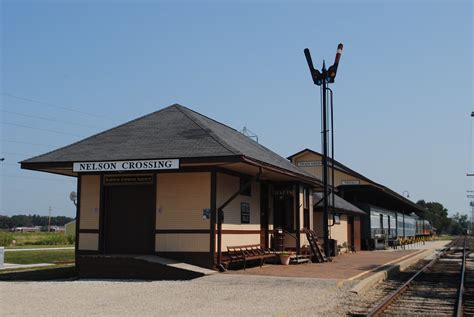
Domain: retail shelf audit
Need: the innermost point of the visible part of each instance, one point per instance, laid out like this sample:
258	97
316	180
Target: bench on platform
244	253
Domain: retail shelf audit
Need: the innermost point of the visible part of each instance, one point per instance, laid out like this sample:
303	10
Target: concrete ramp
175	264
133	266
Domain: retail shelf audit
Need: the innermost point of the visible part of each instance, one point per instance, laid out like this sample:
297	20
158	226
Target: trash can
2	257
333	247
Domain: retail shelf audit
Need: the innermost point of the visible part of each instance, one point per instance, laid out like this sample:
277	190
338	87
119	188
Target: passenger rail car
383	227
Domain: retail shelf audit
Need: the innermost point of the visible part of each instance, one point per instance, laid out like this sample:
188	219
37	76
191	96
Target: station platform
348	266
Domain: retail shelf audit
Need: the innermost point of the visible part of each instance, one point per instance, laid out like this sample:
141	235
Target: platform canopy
365	188
380	196
174	132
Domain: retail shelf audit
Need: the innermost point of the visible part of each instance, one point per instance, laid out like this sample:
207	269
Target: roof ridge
221	141
100	133
336	164
209	131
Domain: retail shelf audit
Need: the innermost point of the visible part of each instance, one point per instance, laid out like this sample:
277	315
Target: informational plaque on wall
206	213
111	180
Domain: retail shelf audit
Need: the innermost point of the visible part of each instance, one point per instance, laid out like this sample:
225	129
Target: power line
19	154
37	178
27	143
9	164
49	119
40	129
55	106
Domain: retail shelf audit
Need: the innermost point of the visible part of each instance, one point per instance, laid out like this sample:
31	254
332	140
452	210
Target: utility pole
49	220
323	78
471	203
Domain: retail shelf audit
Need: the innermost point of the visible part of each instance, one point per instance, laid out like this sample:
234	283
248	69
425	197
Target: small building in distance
70	228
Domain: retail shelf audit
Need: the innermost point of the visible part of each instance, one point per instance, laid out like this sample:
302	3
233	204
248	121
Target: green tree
459	224
437	214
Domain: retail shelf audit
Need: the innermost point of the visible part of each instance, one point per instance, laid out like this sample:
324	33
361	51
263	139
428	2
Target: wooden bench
244	253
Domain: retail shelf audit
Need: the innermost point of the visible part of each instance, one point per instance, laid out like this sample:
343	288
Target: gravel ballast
220	294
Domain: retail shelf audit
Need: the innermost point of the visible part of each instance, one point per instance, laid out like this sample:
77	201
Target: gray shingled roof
340	203
172	132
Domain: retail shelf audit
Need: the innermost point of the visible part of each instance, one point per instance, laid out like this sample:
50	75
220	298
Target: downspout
220	215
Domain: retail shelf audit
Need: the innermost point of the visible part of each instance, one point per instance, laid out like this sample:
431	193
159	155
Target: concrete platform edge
367	283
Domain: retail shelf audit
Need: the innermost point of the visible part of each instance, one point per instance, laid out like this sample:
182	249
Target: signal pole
49	220
323	78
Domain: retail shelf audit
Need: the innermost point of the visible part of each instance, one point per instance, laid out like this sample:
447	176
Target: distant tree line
438	215
8	222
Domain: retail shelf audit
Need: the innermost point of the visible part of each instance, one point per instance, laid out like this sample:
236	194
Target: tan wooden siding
227	185
339	176
89	202
229	226
339	232
303	240
181	198
184	242
318	223
88	241
239	239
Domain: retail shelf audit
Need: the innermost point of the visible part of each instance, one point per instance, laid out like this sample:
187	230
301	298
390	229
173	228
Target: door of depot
129	219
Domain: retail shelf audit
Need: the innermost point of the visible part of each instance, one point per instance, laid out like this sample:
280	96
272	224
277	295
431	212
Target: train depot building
180	185
388	218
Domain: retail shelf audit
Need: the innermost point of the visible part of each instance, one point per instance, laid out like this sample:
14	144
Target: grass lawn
45	256
40	274
38	246
18	239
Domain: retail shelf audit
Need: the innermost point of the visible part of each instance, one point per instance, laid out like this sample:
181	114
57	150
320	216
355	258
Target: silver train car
382	227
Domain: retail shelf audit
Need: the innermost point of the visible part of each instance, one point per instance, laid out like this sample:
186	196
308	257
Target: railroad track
441	287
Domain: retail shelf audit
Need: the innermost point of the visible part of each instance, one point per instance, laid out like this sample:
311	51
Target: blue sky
402	97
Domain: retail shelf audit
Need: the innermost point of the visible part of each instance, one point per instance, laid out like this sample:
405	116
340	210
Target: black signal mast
323	78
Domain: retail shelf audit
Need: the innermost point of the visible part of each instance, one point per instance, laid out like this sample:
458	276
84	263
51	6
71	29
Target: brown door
129	219
350	231
356	233
264	215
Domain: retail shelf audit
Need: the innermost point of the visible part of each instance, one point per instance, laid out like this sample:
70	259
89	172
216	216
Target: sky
402	96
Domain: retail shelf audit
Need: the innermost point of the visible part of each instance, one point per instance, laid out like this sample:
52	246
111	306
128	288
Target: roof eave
304	178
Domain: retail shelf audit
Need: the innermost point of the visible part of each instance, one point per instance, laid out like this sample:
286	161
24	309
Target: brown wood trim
190	231
306	179
212	239
240	231
78	215
90	231
80	253
232	173
209	159
202	231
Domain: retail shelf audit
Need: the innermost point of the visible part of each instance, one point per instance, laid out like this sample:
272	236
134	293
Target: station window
247	191
244	213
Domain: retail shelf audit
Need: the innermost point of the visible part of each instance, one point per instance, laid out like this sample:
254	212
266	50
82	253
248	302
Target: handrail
290	234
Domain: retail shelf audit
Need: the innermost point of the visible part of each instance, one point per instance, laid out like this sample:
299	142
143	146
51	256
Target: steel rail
390	298
459	302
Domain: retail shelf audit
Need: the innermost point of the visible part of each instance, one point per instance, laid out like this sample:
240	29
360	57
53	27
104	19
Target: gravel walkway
220	294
